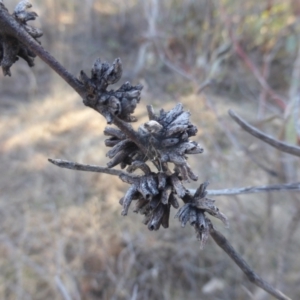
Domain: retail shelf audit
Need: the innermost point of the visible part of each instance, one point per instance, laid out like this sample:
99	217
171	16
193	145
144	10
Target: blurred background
61	232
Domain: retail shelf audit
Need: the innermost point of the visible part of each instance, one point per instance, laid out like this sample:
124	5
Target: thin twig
82	167
261	80
204	85
256	189
293	107
223	243
225	192
233	138
175	68
246	59
152	14
61	287
284	147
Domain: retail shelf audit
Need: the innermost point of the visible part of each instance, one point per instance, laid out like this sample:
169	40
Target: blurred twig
238	49
152	11
61	287
256	189
293	107
260	78
175	68
251	275
294	150
266	70
204	85
234	139
135	292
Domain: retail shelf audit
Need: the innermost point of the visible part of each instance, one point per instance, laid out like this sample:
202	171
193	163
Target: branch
256	189
294	150
244	190
241	263
9	25
261	80
61	287
246	59
81	167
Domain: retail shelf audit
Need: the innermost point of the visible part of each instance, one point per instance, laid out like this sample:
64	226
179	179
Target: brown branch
223	243
284	147
204	85
233	138
62	288
9	25
82	167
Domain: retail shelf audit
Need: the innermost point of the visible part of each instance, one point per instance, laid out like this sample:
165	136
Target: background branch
284	147
256	189
251	275
61	287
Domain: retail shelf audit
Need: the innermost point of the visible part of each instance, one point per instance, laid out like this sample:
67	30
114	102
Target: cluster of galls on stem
10	47
164	139
110	103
